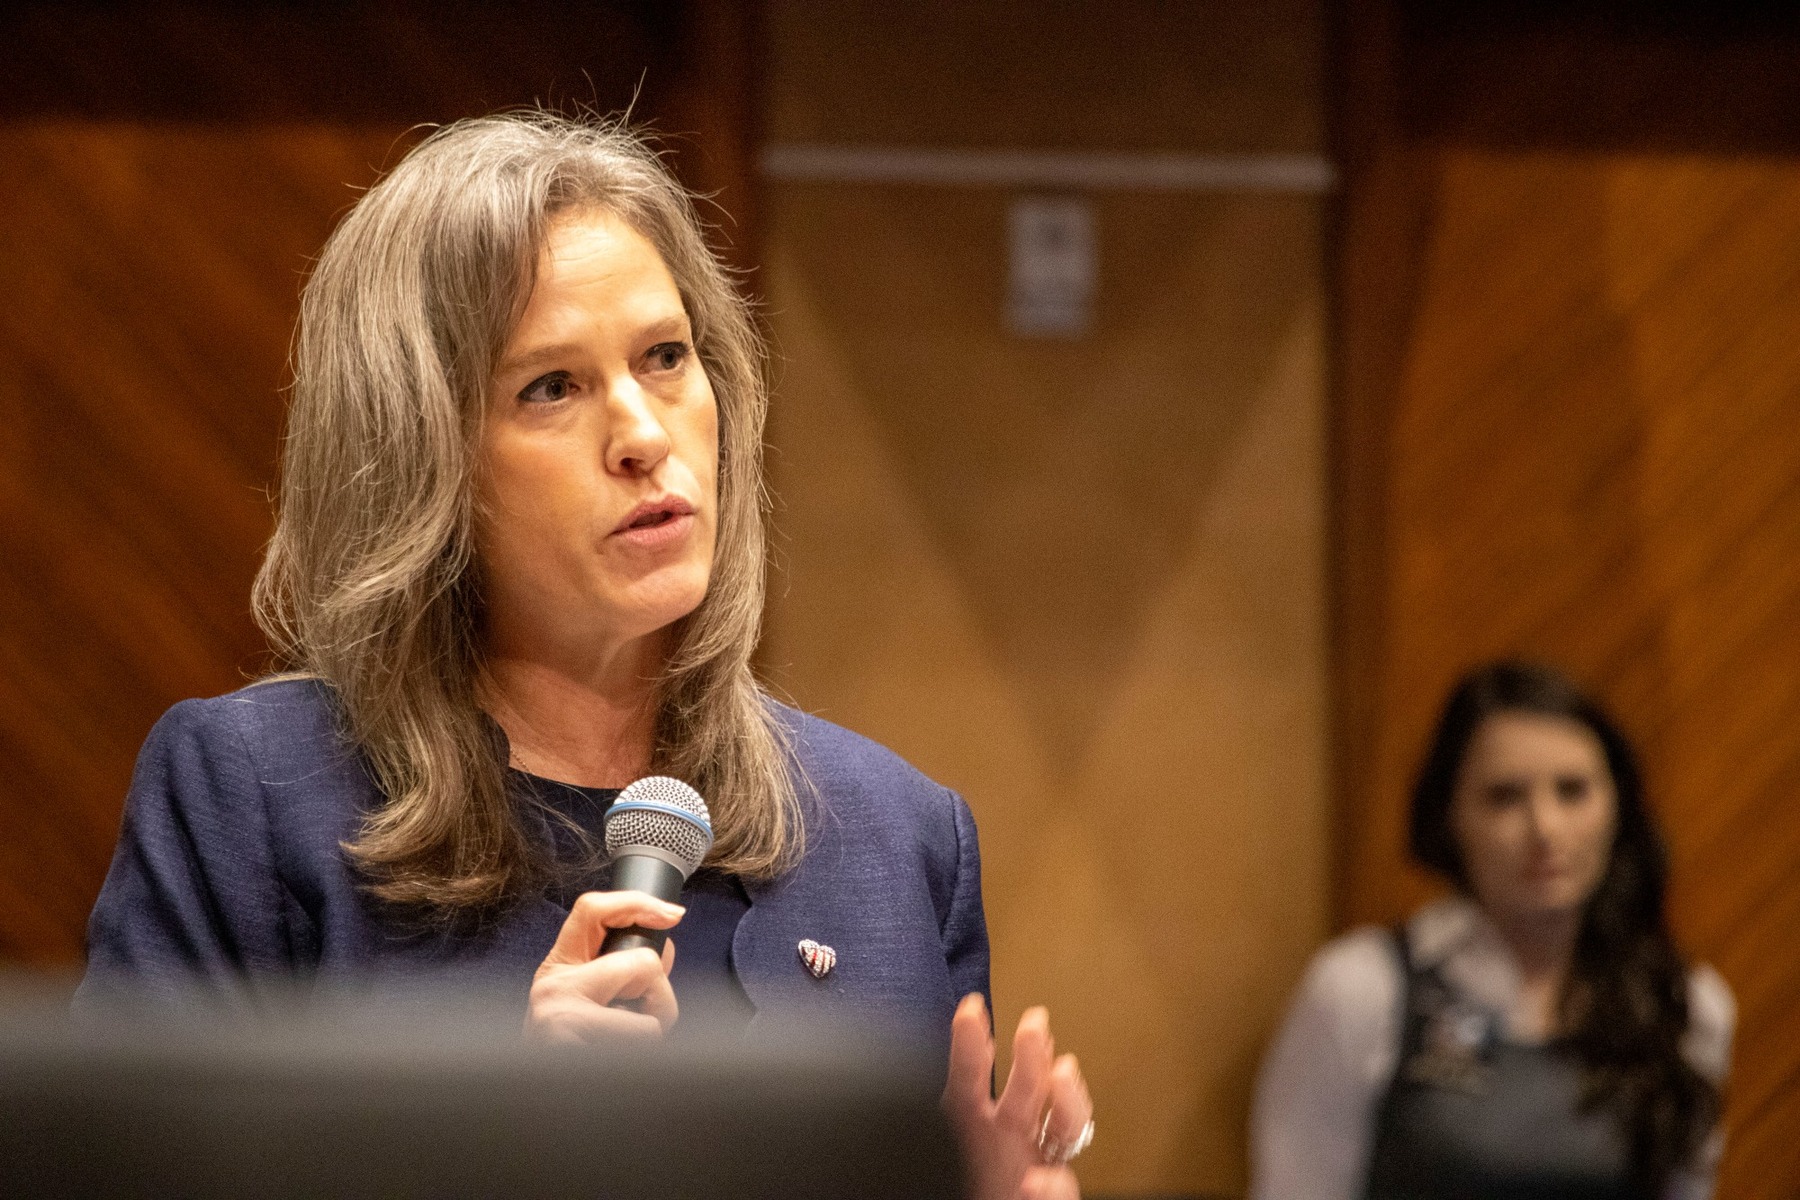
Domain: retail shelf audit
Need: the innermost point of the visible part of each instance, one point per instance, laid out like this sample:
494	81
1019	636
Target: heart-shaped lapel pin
819	958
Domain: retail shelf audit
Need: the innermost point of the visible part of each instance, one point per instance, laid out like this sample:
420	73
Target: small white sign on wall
1050	269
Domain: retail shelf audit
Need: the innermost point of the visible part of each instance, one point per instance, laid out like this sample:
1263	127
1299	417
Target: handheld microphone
657	832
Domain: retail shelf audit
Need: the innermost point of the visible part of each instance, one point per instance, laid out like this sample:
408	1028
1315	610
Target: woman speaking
518	565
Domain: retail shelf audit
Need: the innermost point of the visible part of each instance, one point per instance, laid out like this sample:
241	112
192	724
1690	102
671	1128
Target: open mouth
655	514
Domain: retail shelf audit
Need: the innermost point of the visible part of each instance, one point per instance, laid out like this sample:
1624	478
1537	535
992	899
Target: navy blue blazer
230	869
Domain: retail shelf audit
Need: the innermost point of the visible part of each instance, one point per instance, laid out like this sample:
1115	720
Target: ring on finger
1054	1151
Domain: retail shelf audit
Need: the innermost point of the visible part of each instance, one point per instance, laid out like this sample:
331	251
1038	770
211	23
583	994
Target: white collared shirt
1313	1121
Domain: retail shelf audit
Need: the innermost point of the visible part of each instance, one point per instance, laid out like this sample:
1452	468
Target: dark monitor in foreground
393	1107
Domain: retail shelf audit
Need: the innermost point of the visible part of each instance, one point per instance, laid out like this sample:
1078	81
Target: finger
582	1023
1049	1183
596	912
969	1085
1071	1108
658	998
1028	1081
627	975
668	956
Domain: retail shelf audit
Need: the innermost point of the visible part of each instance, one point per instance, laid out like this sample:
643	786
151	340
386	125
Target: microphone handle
642	873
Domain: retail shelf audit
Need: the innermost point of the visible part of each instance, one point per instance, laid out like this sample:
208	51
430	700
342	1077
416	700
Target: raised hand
1041	1114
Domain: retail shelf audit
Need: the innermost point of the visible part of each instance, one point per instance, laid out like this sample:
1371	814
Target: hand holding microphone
657	833
608	973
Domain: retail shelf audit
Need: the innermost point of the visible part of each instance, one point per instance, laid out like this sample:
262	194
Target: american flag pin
818	957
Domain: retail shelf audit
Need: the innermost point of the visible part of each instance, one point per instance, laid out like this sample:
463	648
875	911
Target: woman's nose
636	439
1544	813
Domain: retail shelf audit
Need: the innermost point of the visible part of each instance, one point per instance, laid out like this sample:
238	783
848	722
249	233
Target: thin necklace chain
526	767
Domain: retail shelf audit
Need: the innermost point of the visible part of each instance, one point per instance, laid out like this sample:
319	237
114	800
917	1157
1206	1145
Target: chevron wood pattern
166	170
1571	430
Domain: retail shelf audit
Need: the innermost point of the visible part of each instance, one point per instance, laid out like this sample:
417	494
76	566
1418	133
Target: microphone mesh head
664	814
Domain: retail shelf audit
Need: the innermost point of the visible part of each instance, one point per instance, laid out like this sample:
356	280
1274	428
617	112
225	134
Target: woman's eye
1505	794
669	355
1572	787
548	389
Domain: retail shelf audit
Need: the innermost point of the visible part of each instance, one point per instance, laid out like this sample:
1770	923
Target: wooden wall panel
1081	581
1570	429
152	276
166	171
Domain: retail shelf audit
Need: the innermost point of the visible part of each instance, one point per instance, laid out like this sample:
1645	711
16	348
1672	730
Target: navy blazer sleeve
192	902
965	923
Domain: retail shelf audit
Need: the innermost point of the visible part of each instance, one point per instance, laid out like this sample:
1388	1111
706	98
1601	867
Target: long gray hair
371	581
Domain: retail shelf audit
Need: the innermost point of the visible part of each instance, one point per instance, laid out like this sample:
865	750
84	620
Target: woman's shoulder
304	697
1712	1018
1346	1010
860	791
840	760
284	716
262	740
1359	971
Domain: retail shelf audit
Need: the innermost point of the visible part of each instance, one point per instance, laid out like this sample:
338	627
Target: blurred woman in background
518	565
1537	1034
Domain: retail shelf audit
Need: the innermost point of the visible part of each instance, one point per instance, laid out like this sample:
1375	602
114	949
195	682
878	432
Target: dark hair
1625	1003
